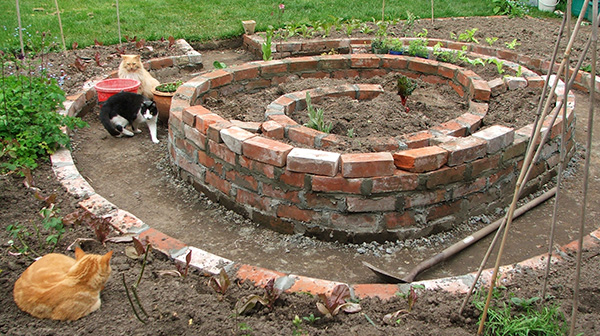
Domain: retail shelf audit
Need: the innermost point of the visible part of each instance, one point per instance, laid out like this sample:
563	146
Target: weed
315	117
491	40
139	247
297	324
350	133
245	328
331	305
311	319
512	44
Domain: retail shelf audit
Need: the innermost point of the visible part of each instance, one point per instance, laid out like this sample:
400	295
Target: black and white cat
127	108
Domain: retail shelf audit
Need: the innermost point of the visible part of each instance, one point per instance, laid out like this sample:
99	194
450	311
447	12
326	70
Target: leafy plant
499	65
184	268
100	225
519	71
511	8
266	46
491	40
418	47
405	87
331	305
468	36
29	123
268	299
311	319
315	117
169	87
409	23
219	65
524	303
221	283
512	44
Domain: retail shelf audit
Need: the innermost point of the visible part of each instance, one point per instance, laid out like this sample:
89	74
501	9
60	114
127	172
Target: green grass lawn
86	20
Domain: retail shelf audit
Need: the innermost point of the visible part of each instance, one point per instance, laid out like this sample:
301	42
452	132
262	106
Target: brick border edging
208	263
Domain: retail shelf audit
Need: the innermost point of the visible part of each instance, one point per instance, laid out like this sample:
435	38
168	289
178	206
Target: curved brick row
126	223
417	184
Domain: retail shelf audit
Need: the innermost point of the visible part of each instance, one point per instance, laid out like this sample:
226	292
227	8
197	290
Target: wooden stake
118	22
62	35
20	29
431	11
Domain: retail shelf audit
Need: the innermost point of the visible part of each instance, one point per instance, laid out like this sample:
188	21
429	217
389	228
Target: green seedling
266	46
315	116
219	65
512	44
525	303
311	319
499	65
331	305
468	36
350	133
519	71
491	40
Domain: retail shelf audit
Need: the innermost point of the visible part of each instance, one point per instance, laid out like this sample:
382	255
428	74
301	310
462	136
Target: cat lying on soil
131	67
59	287
127	108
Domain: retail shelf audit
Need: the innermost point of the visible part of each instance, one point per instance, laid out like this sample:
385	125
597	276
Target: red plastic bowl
109	87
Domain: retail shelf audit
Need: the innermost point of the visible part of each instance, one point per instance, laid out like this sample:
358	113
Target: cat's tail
114	130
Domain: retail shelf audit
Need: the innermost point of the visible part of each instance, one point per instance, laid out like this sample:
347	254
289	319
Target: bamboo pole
20	29
586	171
527	162
431	11
62	35
499	231
118	22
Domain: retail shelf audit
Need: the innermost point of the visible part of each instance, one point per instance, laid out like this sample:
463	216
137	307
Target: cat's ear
79	253
138	58
106	257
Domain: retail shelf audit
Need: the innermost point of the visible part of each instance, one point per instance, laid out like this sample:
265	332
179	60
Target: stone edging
126	223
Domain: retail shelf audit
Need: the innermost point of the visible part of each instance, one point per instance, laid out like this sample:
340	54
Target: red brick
292	178
189	114
245	71
242	180
218	78
425	198
292	196
422	65
444	176
282	120
204	120
273	67
479	109
252	199
288	103
303	135
195	136
464	150
442	210
394	220
222	152
447	70
160	63
233	137
318	201
255	166
205	160
295	213
360	204
497	137
318	74
464	77
266	150
394	62
434	79
471	121
333	62
214	130
372	73
217	182
273	129
354	222
369	91
400	181
485	164
365	61
336	184
259	83
186	147
421	159
480	90
457	88
349	73
470	187
367	164
418	139
451	128
161	241
303	64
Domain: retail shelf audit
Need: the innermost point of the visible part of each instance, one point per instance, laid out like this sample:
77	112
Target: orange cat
131	67
59	287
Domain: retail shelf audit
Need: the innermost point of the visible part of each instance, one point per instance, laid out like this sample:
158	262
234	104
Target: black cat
127	108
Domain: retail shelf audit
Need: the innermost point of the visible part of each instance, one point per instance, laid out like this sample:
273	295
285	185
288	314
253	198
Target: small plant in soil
491	40
220	283
266	46
169	87
331	305
53	230
512	44
271	294
219	65
100	225
467	36
418	48
405	87
315	117
499	65
141	250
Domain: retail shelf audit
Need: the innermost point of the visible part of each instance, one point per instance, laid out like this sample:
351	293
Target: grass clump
315	116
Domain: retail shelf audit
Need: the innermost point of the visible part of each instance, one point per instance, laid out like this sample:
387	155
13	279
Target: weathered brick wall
418	184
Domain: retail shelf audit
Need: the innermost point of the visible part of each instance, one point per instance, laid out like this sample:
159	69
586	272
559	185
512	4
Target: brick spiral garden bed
416	185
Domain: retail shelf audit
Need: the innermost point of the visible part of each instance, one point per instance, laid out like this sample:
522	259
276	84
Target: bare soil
135	175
